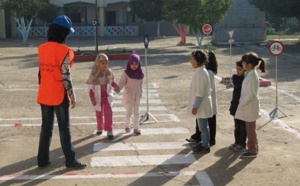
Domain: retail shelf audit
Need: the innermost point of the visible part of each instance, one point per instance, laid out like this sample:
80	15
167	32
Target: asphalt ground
169	76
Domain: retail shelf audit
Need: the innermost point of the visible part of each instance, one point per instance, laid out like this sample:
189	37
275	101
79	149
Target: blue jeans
63	119
203	126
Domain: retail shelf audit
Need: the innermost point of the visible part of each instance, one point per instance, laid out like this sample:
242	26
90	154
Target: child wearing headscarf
100	84
132	81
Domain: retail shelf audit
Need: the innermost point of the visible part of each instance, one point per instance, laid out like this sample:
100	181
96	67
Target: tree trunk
158	29
181	30
24	27
198	36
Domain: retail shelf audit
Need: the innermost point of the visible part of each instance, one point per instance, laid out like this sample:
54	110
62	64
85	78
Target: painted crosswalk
139	146
147	153
140	160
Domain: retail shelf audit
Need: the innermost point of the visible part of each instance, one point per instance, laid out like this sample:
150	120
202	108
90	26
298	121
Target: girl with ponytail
248	108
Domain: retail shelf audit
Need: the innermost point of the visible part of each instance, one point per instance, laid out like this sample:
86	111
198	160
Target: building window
76	14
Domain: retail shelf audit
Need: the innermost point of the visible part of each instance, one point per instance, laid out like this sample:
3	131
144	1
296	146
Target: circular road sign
207	28
276	48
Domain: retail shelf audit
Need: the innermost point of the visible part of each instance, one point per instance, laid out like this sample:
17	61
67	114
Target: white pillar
101	16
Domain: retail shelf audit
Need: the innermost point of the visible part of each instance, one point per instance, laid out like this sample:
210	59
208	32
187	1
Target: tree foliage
148	10
196	13
23	11
23	8
280	8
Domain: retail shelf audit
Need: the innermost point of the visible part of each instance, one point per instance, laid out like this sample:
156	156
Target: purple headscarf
134	74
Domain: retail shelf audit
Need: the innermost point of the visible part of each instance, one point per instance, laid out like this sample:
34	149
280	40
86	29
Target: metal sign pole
276	48
230	84
145	117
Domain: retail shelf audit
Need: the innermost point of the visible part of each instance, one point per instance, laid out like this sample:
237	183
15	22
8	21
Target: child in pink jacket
132	81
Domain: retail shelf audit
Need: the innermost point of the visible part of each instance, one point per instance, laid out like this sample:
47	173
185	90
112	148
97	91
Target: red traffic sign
276	48
207	28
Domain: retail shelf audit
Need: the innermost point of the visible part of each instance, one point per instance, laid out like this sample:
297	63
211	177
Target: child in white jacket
132	81
248	108
100	84
199	102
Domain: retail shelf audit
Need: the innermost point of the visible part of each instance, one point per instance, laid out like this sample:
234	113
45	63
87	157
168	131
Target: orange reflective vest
51	57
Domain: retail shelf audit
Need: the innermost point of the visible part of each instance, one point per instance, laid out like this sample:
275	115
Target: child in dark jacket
239	125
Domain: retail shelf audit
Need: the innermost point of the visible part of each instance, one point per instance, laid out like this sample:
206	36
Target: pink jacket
132	90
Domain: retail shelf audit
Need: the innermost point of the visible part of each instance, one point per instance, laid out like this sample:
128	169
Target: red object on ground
17	125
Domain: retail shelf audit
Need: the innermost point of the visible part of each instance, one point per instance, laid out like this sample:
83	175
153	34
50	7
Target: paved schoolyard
160	156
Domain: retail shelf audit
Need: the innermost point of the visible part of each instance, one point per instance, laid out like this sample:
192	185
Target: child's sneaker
99	132
137	132
238	148
247	154
232	146
127	130
110	135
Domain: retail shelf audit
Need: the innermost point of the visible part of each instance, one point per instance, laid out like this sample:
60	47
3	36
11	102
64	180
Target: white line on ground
201	176
142	108
143	160
143	101
140	146
281	124
172	116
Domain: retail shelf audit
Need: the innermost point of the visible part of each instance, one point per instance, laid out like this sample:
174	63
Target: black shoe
212	143
99	132
197	145
76	165
201	149
44	165
191	140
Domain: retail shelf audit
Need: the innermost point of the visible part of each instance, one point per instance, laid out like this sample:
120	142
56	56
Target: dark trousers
63	119
212	123
240	133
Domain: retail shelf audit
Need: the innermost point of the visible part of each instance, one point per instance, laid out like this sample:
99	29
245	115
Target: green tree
24	11
196	13
148	10
279	8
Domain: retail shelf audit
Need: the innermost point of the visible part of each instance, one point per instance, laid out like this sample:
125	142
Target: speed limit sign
276	48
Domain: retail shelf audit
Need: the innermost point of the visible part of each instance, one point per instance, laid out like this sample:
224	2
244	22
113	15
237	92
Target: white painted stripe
143	160
18	124
281	124
203	178
74	175
143	101
155	131
287	93
142	108
140	146
35	88
144	96
90	117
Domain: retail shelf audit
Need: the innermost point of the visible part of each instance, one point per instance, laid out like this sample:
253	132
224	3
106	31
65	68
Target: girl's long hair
253	59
